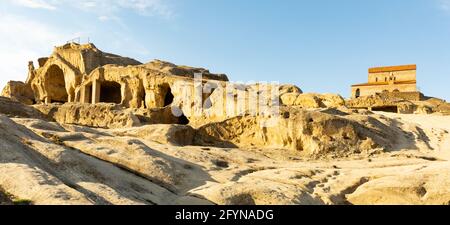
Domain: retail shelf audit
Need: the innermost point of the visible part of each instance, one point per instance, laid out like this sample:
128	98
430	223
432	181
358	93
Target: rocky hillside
103	154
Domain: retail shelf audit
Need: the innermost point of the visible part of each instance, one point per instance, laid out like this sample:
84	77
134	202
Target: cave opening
391	109
88	93
168	97
110	92
55	82
183	120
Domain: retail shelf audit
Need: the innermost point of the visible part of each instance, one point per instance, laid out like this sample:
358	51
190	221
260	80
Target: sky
322	46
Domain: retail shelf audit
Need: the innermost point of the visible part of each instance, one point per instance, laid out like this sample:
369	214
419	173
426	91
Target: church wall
409	75
371	90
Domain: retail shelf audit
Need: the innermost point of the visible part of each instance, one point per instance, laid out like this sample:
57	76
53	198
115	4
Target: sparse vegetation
8	199
4	198
22	202
221	163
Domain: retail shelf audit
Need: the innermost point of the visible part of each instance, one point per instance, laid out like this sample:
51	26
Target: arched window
357	93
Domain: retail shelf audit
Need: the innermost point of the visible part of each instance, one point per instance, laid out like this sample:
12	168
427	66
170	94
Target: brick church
392	81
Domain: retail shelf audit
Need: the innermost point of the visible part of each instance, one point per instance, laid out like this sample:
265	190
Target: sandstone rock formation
19	91
83	74
71	164
163	164
105	129
101	115
427	186
59	75
311	101
307	133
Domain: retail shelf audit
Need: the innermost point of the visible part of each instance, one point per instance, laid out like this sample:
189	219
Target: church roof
384	83
392	68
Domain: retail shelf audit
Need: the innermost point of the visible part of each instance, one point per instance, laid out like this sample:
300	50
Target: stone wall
408	75
369	90
410	96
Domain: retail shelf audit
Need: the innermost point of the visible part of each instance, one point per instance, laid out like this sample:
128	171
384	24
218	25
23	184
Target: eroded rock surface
61	163
99	115
311	101
309	133
14	108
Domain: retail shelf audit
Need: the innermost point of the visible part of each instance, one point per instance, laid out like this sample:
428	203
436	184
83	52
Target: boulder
422	109
331	100
312	100
308	101
19	91
444	108
289	99
289	88
406	108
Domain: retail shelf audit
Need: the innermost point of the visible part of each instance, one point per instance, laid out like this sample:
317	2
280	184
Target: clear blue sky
319	45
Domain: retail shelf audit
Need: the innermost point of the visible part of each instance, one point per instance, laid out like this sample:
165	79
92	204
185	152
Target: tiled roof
384	83
392	68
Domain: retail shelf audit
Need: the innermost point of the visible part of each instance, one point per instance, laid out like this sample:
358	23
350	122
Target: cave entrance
56	84
110	92
168	96
183	120
142	97
88	93
391	109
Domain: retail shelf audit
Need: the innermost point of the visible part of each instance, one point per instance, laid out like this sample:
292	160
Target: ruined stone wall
410	96
71	55
55	81
85	58
113	84
59	76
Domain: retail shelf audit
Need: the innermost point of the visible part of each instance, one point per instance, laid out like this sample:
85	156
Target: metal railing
80	40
